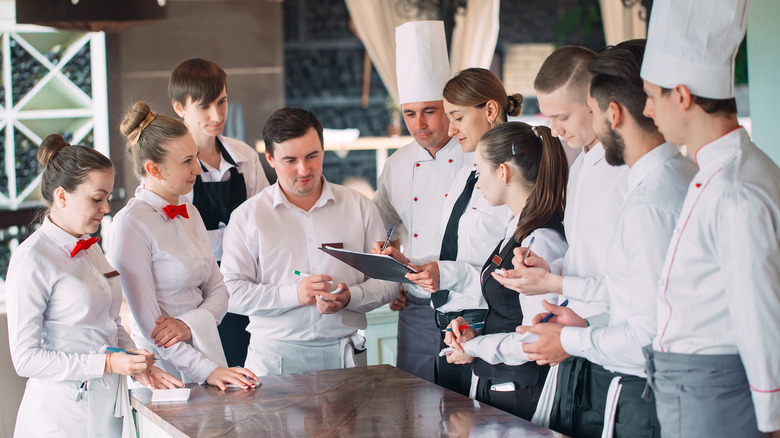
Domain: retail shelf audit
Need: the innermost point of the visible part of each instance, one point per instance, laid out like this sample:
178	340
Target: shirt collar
450	148
153	200
237	158
648	163
594	155
60	237
325	196
509	230
722	148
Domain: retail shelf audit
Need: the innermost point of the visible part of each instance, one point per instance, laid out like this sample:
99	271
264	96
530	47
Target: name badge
111	274
337	245
497	260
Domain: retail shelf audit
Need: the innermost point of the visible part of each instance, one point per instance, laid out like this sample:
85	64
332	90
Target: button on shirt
720	284
62	310
506	347
247	164
411	192
595	196
268	238
657	184
480	229
167	269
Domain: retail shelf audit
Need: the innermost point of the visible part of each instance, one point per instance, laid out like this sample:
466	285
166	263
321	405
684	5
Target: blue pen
550	315
121	350
389	235
476	325
528	250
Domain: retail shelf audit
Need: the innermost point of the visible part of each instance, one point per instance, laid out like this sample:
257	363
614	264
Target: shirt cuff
96	366
767	406
288	295
572	340
357	295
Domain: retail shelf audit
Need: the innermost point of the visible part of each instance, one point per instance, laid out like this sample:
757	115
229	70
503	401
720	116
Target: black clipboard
379	266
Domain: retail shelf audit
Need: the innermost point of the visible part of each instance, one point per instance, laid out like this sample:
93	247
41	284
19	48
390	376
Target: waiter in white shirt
657	182
414	183
306	321
231	170
595	195
713	365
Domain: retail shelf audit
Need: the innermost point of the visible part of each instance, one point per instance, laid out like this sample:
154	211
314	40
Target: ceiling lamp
90	15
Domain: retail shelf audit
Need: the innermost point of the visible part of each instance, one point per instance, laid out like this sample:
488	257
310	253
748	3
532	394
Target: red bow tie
174	210
83	244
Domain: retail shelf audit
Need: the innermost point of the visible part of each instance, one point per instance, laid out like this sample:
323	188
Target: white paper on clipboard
379	266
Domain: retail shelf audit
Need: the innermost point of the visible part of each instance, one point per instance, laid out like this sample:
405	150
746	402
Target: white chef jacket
506	347
247	163
720	284
411	193
167	268
268	238
657	184
595	196
62	313
479	230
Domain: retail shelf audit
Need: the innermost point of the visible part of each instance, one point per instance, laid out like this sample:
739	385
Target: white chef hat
421	62
694	43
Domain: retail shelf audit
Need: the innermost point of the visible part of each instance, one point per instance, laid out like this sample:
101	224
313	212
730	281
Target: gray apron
701	395
418	338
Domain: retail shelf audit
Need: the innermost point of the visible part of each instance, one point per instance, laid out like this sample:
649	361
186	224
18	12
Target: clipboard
379	266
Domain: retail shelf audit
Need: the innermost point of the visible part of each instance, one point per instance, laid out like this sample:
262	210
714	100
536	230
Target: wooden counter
362	402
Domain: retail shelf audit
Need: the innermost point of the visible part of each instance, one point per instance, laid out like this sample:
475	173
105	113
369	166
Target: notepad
170	395
379	266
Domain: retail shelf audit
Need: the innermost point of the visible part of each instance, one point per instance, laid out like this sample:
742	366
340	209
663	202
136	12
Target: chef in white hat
714	364
414	182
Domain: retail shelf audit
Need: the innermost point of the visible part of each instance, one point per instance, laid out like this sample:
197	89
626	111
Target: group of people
633	294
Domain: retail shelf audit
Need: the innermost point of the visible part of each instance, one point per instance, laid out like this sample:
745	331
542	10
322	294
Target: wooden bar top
375	401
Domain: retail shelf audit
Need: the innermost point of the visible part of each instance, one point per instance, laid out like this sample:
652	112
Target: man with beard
611	393
413	185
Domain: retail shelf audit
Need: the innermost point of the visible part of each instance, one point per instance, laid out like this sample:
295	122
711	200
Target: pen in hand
476	325
550	315
303	274
528	250
389	235
122	350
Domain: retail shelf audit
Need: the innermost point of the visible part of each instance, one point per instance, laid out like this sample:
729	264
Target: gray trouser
701	395
418	338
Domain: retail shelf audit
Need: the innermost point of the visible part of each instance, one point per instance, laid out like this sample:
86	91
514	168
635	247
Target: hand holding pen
455	335
559	315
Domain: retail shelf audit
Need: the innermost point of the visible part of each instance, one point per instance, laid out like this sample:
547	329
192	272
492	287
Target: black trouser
521	402
235	338
580	401
452	376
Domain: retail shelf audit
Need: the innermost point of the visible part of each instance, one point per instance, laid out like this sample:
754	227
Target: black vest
216	200
504	315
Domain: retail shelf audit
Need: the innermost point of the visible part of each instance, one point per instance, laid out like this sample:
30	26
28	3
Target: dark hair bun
134	117
515	106
50	147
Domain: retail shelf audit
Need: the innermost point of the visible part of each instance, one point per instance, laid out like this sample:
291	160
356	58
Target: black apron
215	201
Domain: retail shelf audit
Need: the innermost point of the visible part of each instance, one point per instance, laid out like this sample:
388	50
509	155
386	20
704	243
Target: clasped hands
316	289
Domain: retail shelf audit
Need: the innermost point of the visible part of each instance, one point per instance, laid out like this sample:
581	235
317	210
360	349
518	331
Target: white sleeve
241	267
497	348
386	210
748	251
129	250
28	291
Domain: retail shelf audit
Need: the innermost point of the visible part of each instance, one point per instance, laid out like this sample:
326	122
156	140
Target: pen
389	235
303	274
528	250
476	325
122	350
550	315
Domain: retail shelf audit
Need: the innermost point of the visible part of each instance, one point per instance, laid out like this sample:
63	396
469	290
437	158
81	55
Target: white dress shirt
720	284
167	269
63	312
479	230
595	196
506	347
657	184
411	192
268	238
247	163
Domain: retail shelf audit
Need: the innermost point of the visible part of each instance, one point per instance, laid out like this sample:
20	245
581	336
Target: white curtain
621	23
473	38
475	35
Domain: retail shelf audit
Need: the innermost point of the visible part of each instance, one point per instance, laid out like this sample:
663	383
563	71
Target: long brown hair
542	163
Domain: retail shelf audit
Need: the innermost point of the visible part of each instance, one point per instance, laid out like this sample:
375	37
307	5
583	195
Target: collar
154	200
594	155
60	237
237	157
510	228
448	150
280	198
649	162
722	148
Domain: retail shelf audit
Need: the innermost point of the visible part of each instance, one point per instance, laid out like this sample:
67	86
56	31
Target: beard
614	146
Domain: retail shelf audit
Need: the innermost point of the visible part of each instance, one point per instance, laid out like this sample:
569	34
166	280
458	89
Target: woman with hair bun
525	168
161	248
63	300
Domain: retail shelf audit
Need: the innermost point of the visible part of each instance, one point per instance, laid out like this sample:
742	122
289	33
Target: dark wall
243	36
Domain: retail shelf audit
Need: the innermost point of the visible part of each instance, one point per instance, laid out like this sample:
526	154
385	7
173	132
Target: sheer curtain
621	23
473	38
